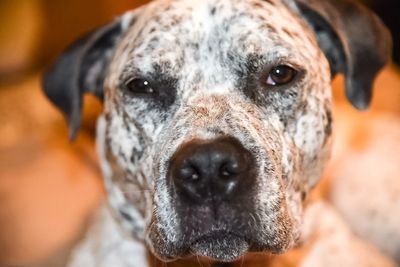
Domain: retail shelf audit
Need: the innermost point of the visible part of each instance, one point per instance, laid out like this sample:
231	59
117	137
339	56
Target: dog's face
202	72
217	122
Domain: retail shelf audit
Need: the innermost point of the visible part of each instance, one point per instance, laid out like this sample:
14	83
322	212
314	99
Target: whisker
198	260
127	191
242	263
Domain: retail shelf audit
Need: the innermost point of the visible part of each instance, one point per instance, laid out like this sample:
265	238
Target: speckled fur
212	54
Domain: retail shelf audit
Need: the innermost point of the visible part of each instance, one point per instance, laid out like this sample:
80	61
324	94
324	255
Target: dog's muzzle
212	183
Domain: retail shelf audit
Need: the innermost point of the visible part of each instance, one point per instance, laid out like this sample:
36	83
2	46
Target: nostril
229	170
189	173
187	180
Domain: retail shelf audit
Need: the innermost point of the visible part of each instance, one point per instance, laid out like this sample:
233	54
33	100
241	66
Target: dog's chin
220	246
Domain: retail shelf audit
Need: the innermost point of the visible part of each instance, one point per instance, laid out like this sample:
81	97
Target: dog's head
217	114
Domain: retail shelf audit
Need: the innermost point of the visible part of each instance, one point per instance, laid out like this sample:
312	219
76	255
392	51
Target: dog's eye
281	75
140	86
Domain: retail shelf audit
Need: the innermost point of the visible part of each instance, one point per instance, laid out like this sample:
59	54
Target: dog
217	120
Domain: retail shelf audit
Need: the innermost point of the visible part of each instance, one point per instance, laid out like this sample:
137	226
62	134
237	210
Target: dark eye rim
298	76
125	86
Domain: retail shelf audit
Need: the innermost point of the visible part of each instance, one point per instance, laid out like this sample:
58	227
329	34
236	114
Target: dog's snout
216	170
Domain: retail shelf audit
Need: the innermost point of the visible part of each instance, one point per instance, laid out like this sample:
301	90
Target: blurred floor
46	184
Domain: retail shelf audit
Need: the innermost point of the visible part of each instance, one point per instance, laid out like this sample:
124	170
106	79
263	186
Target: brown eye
139	86
281	75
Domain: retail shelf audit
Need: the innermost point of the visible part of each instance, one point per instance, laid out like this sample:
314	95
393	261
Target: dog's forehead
181	33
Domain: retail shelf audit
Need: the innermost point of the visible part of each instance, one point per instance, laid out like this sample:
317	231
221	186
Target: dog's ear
354	40
82	69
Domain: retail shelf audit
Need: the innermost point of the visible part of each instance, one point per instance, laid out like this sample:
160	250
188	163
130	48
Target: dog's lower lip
220	245
217	234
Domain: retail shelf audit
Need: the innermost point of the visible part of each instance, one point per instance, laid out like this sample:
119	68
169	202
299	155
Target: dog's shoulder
105	244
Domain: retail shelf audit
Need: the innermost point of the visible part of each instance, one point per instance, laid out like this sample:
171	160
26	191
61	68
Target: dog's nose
217	170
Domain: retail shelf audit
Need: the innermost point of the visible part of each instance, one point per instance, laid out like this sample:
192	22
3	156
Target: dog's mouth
221	246
224	244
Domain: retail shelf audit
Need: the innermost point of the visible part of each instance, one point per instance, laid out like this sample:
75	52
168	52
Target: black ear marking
82	68
354	40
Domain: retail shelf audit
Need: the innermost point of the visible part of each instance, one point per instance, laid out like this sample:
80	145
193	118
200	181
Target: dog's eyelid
127	81
283	62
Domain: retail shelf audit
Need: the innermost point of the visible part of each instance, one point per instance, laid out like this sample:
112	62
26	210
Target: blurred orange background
49	186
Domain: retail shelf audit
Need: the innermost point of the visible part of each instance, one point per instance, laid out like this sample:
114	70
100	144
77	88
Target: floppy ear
354	40
82	68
